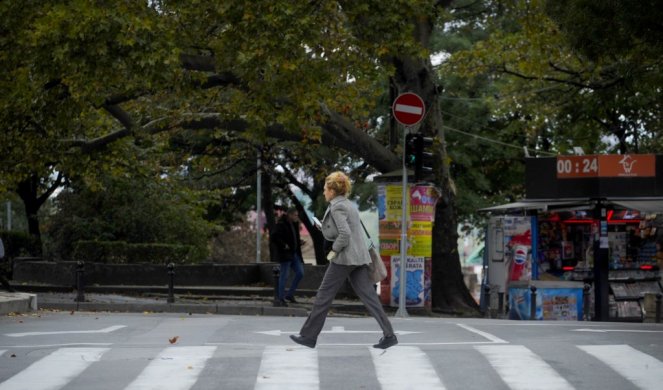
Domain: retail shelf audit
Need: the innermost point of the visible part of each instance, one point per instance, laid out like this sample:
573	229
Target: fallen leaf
189	367
72	313
12	355
174	339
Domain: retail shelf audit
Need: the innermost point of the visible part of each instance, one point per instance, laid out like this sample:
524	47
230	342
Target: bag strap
372	245
365	231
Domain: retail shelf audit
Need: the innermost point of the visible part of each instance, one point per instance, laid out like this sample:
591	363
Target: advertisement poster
420	236
414	275
420	216
422	203
551	304
393	203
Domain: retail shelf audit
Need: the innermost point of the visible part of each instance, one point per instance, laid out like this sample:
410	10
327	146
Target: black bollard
500	305
171	283
487	292
658	308
276	273
80	283
532	307
585	301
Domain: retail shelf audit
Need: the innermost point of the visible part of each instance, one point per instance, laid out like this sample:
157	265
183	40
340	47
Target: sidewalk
16	302
201	300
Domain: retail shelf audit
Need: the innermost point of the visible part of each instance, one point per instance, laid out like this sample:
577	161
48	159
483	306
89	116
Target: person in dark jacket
287	243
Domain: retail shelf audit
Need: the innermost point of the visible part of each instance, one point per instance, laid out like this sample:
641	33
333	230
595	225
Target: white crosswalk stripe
522	369
287	367
645	371
400	368
293	367
55	370
175	368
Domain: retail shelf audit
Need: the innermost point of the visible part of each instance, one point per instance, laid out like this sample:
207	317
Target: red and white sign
408	109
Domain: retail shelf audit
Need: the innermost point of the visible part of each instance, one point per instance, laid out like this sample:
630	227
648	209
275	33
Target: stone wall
33	271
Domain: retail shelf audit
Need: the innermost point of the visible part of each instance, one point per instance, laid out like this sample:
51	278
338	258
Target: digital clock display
577	166
615	165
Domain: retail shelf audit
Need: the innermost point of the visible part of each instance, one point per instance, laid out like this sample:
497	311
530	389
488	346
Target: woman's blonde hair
339	182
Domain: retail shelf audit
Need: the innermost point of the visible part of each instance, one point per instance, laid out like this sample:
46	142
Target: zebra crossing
294	367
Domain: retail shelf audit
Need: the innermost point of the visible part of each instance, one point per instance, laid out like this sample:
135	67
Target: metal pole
171	283
486	288
532	308
276	274
402	310
80	284
258	211
500	305
585	301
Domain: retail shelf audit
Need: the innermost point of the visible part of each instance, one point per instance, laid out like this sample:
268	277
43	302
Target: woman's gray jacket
341	225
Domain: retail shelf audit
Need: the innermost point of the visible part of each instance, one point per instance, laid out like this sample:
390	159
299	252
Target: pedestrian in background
349	259
287	243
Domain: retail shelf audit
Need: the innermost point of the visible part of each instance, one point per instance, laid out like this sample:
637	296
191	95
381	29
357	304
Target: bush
238	245
129	210
19	244
120	252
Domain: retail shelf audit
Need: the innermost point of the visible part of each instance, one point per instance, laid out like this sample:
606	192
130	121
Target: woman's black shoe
305	341
291	299
386	342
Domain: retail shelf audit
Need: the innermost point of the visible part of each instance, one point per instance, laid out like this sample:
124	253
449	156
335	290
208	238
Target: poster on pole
420	216
414	275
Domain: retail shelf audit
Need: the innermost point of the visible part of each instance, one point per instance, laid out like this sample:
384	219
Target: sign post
408	109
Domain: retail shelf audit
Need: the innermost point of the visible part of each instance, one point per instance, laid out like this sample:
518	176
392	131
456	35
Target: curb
177	308
17	303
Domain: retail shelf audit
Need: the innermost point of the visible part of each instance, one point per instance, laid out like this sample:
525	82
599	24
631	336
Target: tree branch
593	86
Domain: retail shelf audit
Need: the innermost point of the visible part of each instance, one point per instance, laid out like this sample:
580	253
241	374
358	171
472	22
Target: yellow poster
394	198
420	238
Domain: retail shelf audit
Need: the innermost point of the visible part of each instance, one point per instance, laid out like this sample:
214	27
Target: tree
133	209
562	91
308	72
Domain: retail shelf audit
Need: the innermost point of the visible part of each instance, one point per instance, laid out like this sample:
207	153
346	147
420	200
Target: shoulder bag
377	269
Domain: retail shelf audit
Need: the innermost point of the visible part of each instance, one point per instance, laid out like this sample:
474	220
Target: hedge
120	252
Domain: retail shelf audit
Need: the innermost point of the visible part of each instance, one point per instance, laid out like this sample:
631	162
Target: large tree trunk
28	191
449	293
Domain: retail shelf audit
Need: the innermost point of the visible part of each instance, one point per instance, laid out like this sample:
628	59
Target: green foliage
18	244
559	93
61	61
121	252
131	209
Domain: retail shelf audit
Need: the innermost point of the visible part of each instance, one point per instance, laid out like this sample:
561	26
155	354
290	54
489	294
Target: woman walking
349	259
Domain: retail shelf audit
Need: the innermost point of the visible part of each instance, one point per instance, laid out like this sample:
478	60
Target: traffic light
419	155
410	150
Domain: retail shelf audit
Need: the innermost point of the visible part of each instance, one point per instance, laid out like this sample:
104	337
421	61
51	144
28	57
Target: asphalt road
52	350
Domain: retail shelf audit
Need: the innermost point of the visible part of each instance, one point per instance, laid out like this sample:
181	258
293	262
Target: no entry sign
408	109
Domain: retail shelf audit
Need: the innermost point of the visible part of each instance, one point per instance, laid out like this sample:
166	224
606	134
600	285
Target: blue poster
551	303
414	287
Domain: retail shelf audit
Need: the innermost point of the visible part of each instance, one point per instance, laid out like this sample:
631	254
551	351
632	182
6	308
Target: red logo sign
408	109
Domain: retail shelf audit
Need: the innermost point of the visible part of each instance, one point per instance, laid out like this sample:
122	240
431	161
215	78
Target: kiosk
587	220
